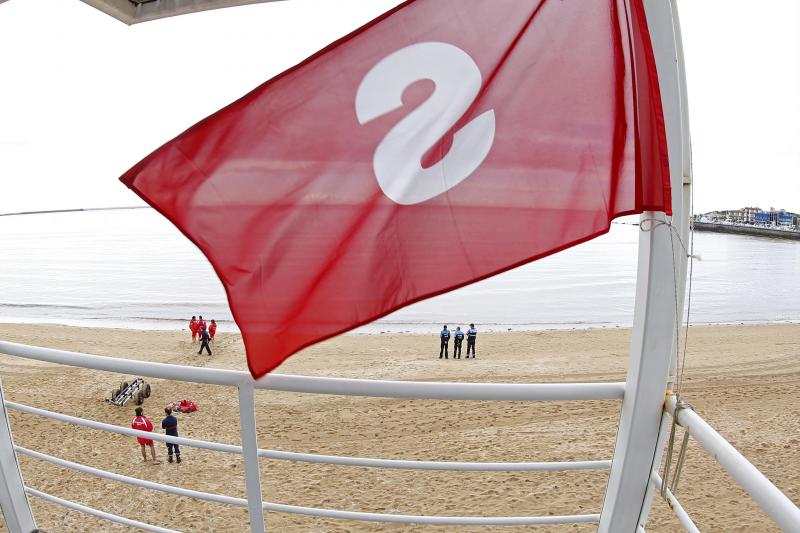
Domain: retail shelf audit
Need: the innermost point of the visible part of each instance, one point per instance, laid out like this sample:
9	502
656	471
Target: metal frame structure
19	517
13	501
660	289
251	453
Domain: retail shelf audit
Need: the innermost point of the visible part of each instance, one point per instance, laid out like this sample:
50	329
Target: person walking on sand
170	427
204	338
472	334
142	423
193	327
458	338
444	335
212	329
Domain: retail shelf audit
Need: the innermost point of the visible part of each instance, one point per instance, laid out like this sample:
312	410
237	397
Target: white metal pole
776	504
13	500
680	512
319	385
663	431
648	365
252	472
661	270
681	222
100	514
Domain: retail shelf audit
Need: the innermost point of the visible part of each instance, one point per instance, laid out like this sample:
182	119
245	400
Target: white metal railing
675	505
304	384
100	514
552	466
318	385
769	497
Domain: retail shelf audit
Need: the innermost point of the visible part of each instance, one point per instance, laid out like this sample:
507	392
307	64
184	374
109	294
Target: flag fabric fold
440	144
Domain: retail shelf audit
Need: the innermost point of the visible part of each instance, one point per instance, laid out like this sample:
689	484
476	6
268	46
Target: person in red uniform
212	328
142	423
201	324
193	328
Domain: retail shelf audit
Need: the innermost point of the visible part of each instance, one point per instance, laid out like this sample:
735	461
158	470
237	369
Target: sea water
133	269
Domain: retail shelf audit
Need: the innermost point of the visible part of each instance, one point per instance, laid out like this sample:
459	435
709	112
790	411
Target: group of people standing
170	427
458	338
203	332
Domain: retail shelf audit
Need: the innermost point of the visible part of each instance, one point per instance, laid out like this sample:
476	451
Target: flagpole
684	227
659	287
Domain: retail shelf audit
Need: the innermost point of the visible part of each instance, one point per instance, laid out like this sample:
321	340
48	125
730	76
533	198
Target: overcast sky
83	97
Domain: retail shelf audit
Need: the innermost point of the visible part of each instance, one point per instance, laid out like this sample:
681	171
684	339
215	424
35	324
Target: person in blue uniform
170	427
444	335
458	338
472	334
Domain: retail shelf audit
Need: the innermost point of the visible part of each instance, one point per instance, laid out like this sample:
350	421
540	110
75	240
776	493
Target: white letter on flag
397	160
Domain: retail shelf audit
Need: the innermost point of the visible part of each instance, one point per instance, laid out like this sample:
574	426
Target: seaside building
752	216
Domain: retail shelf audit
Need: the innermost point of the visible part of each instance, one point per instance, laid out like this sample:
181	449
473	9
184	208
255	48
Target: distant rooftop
135	11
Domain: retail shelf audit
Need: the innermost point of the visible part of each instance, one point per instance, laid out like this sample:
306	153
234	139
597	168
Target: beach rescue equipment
137	390
183	406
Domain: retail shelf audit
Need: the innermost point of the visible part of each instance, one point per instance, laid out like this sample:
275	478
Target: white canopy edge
133	12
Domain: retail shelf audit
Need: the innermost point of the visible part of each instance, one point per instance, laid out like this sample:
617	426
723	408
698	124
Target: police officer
445	337
472	334
458	338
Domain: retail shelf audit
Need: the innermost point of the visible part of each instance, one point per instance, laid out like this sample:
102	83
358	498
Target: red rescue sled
183	406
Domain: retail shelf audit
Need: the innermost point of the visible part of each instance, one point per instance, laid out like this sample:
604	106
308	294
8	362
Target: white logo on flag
397	159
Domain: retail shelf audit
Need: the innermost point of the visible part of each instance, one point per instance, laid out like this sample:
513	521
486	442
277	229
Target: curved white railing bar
675	505
215	446
312	511
552	466
100	514
434	520
768	496
319	385
216	498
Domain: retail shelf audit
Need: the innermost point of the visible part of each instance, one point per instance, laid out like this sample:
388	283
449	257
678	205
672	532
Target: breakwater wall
747	230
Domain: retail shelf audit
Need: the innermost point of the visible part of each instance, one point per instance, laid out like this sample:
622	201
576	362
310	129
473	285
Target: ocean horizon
134	270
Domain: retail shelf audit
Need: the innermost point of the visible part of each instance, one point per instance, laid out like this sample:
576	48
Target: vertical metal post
653	340
252	472
651	488
659	301
13	500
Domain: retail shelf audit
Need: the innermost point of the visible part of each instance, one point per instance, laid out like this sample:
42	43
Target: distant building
752	216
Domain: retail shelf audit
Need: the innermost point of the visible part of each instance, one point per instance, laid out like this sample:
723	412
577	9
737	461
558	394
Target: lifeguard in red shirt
201	324
193	327
142	423
212	329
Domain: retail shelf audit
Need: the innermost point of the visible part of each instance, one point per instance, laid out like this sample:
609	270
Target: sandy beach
742	379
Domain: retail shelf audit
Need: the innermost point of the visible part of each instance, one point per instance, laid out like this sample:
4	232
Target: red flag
442	143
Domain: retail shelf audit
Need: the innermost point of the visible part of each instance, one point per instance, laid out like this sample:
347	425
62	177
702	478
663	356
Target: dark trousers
176	447
456	350
471	346
204	345
443	349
